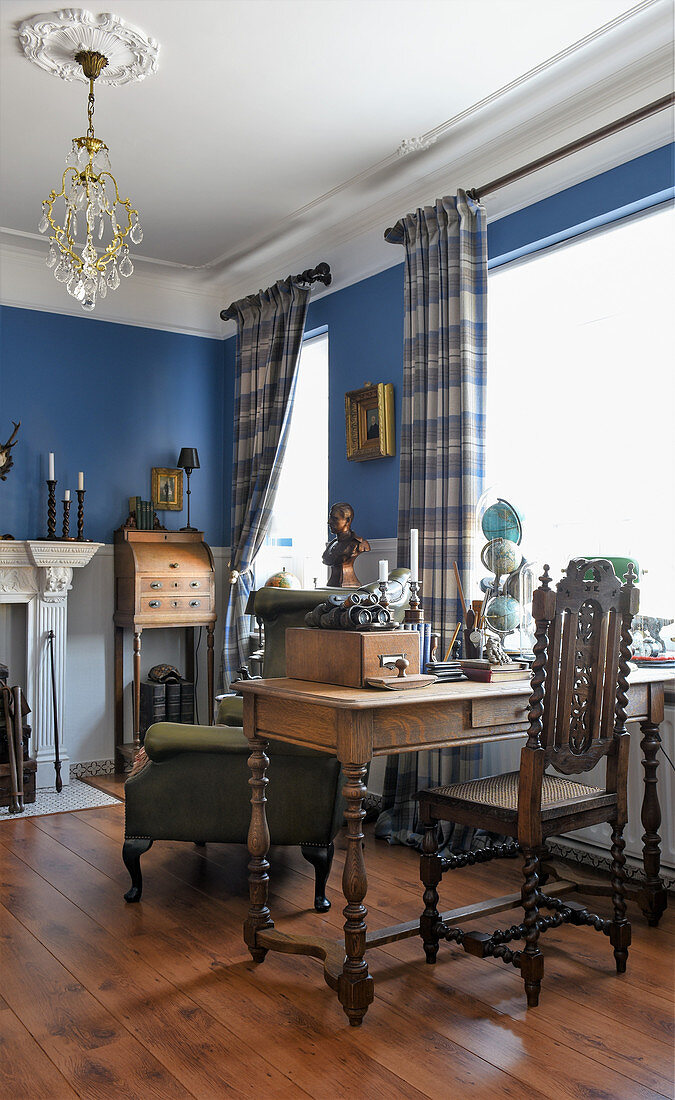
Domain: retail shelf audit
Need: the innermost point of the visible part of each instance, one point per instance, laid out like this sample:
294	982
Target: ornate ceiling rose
52	39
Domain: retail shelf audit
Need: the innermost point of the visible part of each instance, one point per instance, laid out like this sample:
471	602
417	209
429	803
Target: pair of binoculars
359	611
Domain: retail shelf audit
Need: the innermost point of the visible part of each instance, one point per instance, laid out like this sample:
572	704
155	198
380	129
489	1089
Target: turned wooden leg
619	933
209	671
355	986
137	691
652	897
119	698
430	875
258	846
132	850
531	959
321	858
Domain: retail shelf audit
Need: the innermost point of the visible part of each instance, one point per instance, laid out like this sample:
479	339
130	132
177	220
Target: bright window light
297	536
581	397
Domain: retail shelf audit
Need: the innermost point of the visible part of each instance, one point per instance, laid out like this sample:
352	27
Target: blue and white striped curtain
442	456
270	326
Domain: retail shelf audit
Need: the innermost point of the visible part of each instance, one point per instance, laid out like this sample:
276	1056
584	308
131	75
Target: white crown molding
164	299
615	71
52	39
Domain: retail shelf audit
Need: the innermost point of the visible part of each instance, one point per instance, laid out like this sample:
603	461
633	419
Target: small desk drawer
165	586
169	603
499	711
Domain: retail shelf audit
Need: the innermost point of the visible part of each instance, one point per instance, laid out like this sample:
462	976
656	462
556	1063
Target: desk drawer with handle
496	711
168	585
169	603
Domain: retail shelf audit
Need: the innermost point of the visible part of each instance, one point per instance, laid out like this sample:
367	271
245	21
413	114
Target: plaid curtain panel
270	326
442	457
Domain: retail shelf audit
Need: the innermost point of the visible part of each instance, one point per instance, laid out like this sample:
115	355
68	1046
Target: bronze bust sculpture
344	549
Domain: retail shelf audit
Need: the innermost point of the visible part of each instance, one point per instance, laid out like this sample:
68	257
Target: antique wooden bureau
162	579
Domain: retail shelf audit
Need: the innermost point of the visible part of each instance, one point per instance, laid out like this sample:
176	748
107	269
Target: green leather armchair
194	783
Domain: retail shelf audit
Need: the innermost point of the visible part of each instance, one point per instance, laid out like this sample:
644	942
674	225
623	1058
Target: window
298	531
591	321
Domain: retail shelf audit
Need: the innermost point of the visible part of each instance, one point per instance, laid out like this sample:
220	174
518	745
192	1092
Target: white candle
80	480
413	554
384	570
66	495
51	466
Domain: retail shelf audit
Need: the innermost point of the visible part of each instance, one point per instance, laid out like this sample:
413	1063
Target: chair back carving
579	684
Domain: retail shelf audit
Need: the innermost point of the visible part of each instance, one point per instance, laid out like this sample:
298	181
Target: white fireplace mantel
39	573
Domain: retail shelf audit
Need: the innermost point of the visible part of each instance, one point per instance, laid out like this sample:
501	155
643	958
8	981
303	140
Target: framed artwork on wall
369	414
167	488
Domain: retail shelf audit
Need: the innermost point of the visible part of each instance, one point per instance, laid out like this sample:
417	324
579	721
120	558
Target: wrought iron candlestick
66	519
414	612
80	514
51	510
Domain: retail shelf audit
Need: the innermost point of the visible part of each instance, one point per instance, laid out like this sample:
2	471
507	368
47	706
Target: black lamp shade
188	459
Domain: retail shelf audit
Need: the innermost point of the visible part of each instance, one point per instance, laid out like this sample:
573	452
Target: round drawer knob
195	603
154	603
174	564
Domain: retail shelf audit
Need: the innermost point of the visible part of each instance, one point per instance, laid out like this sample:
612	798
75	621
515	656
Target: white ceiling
268	135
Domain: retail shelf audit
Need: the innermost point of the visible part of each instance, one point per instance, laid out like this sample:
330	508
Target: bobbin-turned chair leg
619	932
531	959
430	874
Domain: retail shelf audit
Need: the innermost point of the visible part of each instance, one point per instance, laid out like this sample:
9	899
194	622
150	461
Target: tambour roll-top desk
162	579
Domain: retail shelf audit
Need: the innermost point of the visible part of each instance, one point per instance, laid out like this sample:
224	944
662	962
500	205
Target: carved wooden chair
577	716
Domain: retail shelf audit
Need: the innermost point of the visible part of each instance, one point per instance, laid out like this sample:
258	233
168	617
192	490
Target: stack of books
144	512
489	674
171	702
424	630
446	671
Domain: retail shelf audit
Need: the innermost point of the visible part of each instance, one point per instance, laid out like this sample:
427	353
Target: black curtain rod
319	274
574	146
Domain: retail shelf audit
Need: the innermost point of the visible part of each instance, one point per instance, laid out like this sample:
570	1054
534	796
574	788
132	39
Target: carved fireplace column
39	574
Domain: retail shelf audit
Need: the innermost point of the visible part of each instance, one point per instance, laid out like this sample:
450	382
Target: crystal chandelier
88	248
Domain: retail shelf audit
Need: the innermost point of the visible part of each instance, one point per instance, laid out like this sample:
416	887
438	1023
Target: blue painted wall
148	393
114	401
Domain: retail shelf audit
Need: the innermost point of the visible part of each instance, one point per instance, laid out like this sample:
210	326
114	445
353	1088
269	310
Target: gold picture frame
369	414
167	488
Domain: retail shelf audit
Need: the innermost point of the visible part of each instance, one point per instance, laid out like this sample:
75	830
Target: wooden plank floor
100	999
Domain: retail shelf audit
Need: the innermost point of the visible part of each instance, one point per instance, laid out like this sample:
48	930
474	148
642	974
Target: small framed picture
369	414
167	488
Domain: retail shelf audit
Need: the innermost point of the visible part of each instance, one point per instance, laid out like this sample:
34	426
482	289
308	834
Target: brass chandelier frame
92	64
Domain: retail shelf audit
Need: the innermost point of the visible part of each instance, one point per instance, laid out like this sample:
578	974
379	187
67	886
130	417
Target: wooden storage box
29	770
348	657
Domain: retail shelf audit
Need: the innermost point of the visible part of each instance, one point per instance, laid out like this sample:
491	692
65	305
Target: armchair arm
230	711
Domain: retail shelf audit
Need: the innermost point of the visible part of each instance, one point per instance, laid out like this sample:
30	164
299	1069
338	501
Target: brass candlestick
51	510
414	612
80	514
384	599
66	519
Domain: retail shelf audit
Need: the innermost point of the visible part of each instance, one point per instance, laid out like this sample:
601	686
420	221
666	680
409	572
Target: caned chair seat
501	792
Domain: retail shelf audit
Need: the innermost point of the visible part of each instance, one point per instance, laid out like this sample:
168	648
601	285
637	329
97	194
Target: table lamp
188	460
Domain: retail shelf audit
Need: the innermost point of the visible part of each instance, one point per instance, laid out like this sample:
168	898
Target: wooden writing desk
357	724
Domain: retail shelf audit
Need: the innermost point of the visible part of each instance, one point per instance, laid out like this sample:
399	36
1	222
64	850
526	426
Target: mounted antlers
6	460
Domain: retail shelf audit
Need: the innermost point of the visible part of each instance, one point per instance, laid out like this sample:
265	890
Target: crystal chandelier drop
88	248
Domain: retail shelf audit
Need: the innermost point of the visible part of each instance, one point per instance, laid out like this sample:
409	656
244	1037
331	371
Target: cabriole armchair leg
133	849
321	858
